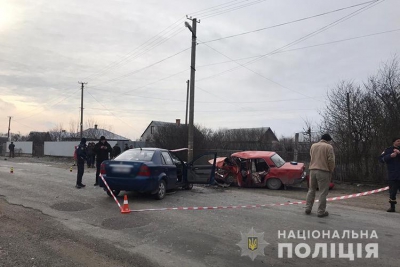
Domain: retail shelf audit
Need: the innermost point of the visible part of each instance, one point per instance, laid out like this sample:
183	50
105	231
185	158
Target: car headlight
304	175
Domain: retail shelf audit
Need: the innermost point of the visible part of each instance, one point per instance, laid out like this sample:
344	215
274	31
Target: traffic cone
125	206
12	170
70	169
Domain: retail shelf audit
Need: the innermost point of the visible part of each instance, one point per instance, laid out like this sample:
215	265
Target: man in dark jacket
126	147
102	150
80	161
391	156
11	148
116	150
90	153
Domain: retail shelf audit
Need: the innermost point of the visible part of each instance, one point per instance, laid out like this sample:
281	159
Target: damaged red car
258	169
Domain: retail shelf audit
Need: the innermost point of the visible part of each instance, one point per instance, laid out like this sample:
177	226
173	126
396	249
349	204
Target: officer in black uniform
81	157
391	156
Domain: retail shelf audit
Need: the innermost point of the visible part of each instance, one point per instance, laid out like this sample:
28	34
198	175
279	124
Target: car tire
161	191
274	183
115	192
230	179
188	186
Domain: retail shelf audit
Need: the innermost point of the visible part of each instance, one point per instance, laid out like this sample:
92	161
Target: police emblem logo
252	244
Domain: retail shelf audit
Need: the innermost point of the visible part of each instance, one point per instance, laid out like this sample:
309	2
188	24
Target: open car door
200	171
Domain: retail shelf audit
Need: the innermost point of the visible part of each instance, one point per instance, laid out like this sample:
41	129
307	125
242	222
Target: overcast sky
135	57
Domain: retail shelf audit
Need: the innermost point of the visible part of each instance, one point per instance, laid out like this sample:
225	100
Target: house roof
97	132
157	123
244	130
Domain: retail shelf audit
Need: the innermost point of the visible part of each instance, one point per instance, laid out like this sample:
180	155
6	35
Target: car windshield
278	161
136	154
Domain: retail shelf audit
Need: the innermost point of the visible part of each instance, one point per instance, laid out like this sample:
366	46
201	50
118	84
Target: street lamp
192	29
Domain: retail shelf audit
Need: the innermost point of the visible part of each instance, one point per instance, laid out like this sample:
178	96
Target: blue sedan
154	171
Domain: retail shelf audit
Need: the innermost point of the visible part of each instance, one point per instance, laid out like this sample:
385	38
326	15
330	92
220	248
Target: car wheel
188	186
115	192
230	179
274	183
162	189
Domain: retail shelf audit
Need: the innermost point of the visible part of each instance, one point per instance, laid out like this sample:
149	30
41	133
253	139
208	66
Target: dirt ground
378	201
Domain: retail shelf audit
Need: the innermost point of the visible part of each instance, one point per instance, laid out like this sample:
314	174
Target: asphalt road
45	221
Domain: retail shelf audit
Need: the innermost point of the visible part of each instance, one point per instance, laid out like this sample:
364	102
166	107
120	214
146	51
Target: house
262	138
152	129
95	134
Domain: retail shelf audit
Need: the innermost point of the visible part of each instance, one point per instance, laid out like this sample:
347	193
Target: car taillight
103	168
144	171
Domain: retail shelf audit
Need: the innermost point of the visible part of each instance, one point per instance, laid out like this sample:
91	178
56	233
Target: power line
215	8
137	51
110	111
286	23
150	43
48	106
230	61
146	44
231	9
146	49
139	70
298	40
338	41
305	47
322	29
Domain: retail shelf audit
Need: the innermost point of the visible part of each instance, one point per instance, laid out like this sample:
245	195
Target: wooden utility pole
296	147
192	79
9	125
187	101
81	124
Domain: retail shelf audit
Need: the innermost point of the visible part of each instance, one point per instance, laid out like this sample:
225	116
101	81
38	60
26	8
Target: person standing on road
102	150
321	168
126	147
116	150
89	152
11	147
80	161
391	156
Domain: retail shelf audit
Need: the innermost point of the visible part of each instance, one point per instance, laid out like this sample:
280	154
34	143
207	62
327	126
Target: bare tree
57	133
74	129
362	120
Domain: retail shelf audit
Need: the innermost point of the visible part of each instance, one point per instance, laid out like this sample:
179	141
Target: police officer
391	156
80	161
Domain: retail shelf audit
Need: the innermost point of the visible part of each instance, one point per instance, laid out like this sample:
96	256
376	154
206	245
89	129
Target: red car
258	169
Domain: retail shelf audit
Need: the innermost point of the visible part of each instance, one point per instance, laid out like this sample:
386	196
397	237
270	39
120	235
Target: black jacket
102	151
116	151
81	153
393	164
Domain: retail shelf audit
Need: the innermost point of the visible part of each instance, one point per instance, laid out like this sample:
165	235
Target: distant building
262	138
95	134
152	129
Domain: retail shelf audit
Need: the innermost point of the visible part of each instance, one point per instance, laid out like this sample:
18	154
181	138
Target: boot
392	206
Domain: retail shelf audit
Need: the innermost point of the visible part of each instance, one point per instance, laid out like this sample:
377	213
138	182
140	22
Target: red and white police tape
109	190
248	206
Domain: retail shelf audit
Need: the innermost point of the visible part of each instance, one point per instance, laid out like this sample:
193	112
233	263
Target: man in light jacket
321	168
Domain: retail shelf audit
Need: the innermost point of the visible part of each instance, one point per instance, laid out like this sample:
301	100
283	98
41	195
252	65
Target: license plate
121	169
